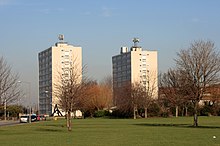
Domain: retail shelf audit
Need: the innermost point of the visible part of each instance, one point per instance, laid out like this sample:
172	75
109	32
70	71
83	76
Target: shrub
119	114
101	113
206	110
153	110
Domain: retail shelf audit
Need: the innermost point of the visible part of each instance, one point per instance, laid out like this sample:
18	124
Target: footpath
8	122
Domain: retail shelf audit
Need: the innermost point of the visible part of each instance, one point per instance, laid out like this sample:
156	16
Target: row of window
144	65
45	59
128	56
122	73
45	77
65	50
120	57
45	53
45	71
121	68
123	78
45	83
121	62
121	83
45	66
42	90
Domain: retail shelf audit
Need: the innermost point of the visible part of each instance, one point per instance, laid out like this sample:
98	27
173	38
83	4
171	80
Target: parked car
33	118
25	118
41	118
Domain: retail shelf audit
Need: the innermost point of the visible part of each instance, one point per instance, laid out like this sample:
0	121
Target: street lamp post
29	92
47	102
5	109
46	96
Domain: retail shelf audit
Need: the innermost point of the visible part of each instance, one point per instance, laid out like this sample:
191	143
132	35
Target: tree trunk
135	112
5	114
186	111
74	115
195	123
177	110
182	112
69	126
91	114
83	113
145	112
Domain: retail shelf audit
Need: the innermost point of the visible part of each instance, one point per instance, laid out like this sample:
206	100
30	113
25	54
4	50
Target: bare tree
86	102
199	65
9	89
107	81
106	91
171	85
130	98
149	92
97	102
123	100
98	96
69	89
136	95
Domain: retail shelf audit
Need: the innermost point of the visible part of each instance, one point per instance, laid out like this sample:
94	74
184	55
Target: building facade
135	66
52	63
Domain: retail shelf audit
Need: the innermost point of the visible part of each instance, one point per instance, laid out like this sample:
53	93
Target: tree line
194	77
9	87
180	88
196	72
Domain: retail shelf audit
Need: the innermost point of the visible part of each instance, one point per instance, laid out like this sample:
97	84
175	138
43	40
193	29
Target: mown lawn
115	132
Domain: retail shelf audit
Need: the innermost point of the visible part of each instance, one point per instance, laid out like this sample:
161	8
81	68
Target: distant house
212	95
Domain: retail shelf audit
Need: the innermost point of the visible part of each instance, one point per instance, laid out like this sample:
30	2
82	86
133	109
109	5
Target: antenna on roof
136	41
61	37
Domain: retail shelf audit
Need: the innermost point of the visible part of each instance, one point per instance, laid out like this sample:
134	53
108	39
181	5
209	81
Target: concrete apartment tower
135	66
52	63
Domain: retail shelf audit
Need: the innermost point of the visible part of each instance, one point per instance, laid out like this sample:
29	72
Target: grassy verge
101	132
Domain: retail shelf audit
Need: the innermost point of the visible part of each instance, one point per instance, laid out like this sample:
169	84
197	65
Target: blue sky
101	27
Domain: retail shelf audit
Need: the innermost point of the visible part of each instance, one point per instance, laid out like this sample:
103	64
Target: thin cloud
5	2
195	20
45	11
48	10
87	13
107	12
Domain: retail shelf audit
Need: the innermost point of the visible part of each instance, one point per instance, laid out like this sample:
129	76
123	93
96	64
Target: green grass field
115	132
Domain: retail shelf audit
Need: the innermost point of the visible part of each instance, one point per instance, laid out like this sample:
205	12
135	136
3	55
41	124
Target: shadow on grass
51	127
54	125
176	125
48	130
